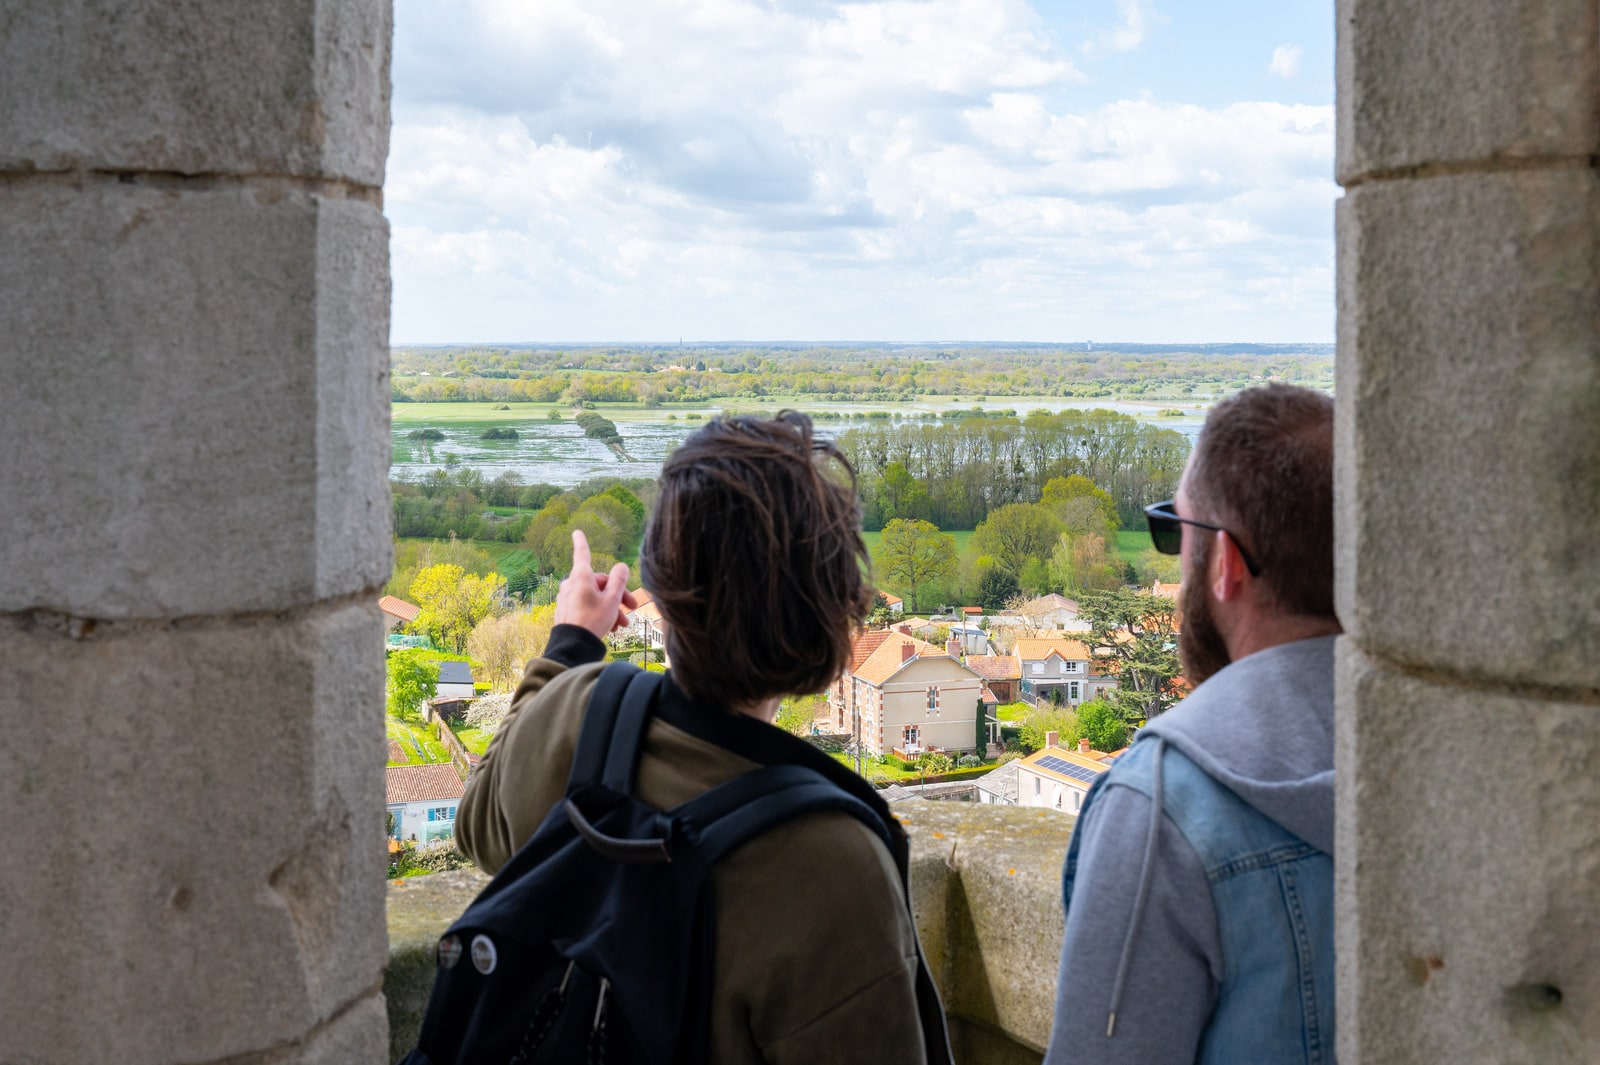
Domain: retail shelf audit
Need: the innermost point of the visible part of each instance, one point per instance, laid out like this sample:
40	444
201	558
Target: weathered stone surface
299	88
996	945
204	806
985	884
196	398
1450	83
1469	873
357	1037
1469	423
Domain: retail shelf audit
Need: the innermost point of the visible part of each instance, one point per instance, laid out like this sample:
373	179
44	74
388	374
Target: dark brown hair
1263	469
755	558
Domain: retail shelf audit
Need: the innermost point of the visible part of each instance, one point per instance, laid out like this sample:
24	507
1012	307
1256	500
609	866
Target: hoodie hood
1262	727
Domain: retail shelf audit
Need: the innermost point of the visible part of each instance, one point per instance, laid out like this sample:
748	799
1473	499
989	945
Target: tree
1047	718
934	764
996	586
1134	638
917	557
410	678
1083	563
452	602
880	616
900	495
1102	725
797	713
981	732
1016	533
503	646
1081	505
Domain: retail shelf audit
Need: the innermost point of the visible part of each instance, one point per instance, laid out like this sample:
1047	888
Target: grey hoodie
1263	728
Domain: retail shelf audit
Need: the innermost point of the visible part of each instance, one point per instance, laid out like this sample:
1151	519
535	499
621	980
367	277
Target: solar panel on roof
1067	769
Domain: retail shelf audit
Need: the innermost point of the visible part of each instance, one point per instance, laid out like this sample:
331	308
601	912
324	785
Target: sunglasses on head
1166	532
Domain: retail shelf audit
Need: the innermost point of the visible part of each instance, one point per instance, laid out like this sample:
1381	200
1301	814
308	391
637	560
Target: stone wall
1468	496
986	893
194	319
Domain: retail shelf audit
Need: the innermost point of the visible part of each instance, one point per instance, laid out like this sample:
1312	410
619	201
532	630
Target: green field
412	735
1131	543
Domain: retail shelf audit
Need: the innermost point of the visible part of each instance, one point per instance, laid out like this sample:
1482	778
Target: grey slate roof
1001	782
455	673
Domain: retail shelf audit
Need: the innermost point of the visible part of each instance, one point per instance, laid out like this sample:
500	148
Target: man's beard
1201	649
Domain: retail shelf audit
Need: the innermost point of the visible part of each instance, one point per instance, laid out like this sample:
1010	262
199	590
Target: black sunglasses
1168	537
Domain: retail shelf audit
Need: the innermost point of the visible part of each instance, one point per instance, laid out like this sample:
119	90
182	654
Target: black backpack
595	943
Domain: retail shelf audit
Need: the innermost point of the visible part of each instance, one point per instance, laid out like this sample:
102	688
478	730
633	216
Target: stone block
998	939
196	398
1469	424
298	88
1428	84
420	908
202	806
1469	873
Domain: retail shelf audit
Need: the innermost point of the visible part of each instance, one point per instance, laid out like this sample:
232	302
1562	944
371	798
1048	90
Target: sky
1158	171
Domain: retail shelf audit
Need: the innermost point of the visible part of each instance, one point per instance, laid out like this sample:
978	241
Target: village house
397	612
1001	674
907	697
1057	669
635	628
894	602
1059	779
1053	611
421	801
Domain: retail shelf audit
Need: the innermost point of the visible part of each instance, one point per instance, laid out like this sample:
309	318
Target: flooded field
558	452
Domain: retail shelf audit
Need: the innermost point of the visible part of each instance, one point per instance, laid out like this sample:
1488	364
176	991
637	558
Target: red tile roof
995	667
865	643
399	608
422	783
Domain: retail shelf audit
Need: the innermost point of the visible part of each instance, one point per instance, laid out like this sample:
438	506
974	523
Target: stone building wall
1468	496
194	290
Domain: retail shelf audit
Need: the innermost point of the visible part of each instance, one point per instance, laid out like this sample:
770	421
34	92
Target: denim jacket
1273	897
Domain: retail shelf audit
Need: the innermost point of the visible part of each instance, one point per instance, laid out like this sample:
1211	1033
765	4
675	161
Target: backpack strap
731	814
614	726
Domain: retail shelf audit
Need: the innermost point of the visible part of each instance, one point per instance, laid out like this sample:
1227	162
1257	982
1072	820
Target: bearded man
1199	880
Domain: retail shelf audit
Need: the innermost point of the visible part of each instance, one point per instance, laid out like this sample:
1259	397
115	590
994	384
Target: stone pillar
1468	509
194	288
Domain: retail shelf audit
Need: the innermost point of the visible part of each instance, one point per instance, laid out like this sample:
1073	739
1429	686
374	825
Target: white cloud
718	169
1286	60
1138	19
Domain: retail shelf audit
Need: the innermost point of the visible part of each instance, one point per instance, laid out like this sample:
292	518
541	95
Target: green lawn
411	735
1012	711
1131	543
472	737
963	538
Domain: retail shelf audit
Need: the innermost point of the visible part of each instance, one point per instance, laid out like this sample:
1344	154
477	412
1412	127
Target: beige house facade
907	697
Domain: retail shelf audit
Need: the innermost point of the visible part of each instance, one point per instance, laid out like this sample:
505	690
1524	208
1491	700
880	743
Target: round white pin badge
484	956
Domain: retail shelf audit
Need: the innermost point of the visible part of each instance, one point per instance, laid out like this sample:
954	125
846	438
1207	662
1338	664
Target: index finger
582	561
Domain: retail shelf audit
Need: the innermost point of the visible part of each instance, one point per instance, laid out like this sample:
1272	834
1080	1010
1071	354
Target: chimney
903	629
1052	739
907	651
952	647
1083	746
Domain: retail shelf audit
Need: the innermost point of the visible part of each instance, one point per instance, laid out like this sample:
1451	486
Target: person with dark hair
1199	880
755	558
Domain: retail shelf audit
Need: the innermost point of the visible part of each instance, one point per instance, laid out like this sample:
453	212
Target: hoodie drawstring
1143	892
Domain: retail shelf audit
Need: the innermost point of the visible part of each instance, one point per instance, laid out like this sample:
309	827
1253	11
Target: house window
1072	691
1076	798
933	700
1037	785
1038	668
910	736
441	813
1072	667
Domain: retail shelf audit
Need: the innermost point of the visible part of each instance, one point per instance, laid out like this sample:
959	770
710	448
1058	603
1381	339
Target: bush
969	761
426	434
499	433
439	856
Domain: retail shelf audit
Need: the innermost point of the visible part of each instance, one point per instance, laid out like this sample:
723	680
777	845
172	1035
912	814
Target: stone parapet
986	895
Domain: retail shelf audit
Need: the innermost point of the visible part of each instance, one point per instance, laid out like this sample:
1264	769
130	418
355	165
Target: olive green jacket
816	956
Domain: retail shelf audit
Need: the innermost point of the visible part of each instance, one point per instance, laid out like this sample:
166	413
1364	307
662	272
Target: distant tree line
954	474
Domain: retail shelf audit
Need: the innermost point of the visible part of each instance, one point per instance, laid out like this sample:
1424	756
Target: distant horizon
1107	345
